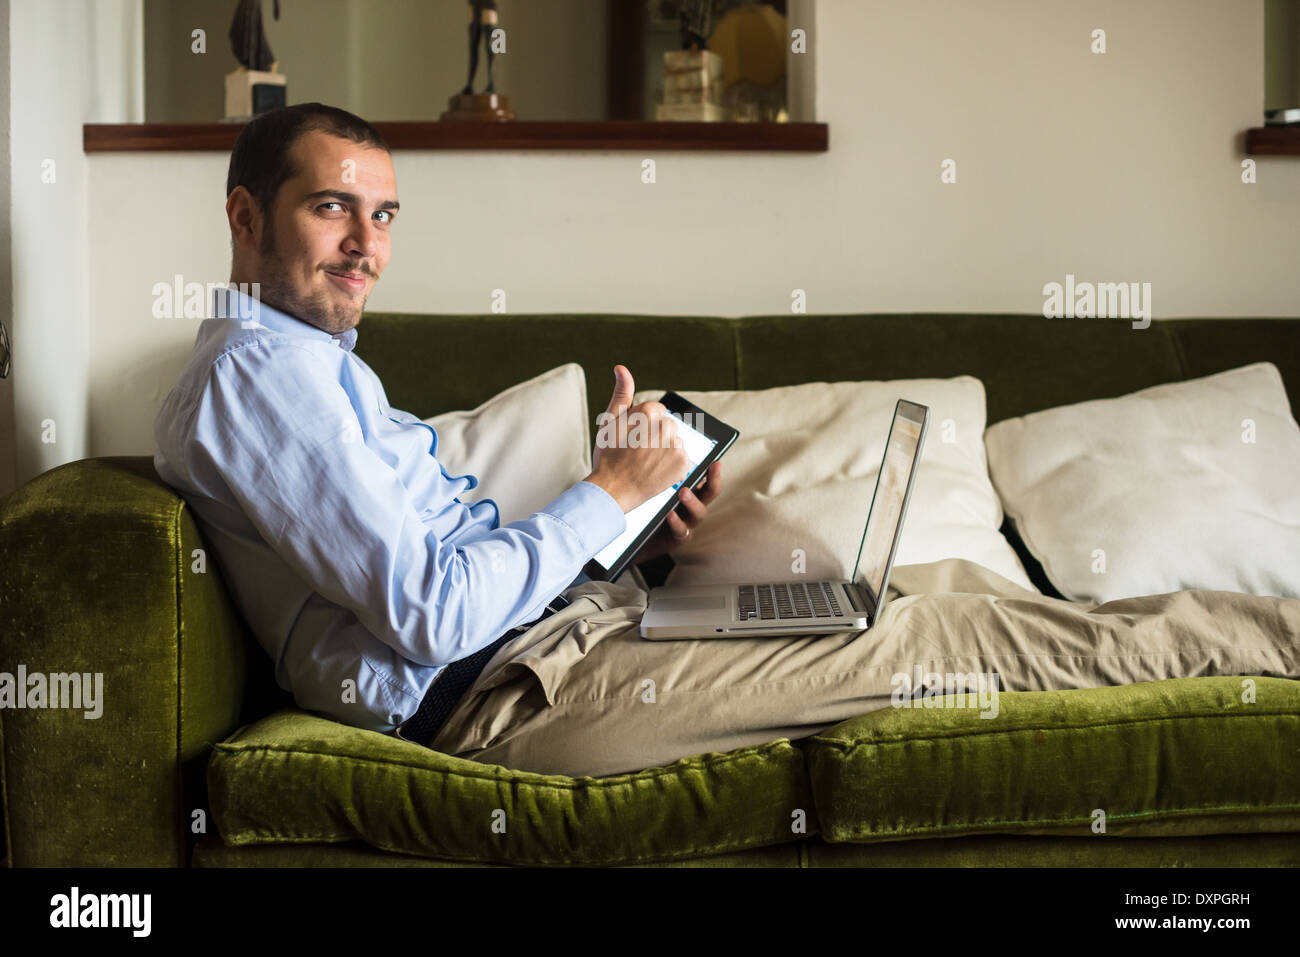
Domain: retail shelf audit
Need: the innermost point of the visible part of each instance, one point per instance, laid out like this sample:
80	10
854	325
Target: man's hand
638	451
677	529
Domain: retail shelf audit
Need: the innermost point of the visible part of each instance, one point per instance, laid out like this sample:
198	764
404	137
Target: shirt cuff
591	512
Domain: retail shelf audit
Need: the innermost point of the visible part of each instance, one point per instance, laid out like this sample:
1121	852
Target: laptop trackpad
702	603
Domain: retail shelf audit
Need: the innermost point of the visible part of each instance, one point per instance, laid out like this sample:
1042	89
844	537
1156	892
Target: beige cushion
1186	485
525	445
801	476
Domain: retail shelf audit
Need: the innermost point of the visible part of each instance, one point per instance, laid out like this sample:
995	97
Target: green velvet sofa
200	760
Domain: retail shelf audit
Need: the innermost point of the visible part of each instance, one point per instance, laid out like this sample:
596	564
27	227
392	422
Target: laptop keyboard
782	601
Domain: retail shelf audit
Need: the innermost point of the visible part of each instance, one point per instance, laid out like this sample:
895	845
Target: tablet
705	439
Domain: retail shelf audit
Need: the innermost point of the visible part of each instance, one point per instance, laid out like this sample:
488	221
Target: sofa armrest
98	577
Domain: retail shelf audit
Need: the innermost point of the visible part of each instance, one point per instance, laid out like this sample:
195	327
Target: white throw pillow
801	476
525	445
1189	485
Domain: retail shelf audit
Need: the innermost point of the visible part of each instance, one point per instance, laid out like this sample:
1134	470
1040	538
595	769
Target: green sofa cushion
1178	757
1208	346
211	852
992	850
296	778
1026	363
434	364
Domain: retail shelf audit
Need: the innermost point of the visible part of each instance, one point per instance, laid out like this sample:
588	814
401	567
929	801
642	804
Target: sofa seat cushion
1159	758
212	852
293	777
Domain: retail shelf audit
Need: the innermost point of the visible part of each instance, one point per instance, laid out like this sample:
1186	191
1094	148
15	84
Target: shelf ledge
1273	141
513	135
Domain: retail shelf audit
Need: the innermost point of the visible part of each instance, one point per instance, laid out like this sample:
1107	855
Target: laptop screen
893	485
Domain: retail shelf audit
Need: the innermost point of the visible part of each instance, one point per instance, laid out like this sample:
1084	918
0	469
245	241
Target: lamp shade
751	41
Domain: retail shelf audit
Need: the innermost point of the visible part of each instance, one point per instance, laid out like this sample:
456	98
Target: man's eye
330	203
388	213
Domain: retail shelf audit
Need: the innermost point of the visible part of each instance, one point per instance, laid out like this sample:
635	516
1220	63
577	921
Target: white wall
7	437
1115	167
801	75
70	62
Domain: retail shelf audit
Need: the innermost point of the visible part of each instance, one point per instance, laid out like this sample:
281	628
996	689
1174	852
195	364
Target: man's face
326	240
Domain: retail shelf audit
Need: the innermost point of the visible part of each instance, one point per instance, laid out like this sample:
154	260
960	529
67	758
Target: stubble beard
319	309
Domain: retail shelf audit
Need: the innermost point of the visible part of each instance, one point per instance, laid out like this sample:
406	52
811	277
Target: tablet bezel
723	434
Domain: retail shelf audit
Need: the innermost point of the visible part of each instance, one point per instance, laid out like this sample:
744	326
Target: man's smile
351	281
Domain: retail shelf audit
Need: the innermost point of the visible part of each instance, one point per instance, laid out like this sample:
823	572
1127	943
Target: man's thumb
621	400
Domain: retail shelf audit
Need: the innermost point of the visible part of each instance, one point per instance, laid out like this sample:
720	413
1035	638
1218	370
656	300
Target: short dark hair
260	160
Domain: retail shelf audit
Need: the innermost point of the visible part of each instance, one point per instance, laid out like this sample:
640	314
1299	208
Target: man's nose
363	238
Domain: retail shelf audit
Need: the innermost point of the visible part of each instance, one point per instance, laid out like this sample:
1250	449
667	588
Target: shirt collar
233	303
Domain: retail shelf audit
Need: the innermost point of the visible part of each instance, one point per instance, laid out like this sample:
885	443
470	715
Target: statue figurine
482	18
488	106
248	38
694	20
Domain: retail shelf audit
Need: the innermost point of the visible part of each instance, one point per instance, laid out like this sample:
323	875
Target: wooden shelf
1273	141
514	135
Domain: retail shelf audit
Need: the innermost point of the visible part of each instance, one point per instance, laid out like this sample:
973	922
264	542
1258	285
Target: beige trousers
583	694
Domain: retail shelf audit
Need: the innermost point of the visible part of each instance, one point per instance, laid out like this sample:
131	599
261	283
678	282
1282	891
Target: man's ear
243	215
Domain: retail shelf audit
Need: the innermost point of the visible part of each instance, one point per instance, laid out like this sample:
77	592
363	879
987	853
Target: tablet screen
696	445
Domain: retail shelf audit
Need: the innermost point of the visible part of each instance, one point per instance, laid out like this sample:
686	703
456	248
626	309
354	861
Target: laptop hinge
861	601
856	597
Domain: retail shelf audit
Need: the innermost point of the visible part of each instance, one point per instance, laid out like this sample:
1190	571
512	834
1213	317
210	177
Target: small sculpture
696	19
488	106
482	17
248	37
256	86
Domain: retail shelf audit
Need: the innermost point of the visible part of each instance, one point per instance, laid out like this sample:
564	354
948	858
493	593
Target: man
341	537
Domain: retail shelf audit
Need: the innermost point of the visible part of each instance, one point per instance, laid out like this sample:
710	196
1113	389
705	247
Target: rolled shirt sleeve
425	578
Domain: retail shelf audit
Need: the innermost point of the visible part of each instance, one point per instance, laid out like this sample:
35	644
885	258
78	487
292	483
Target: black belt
451	683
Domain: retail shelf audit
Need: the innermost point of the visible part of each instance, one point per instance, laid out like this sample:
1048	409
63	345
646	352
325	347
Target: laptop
749	609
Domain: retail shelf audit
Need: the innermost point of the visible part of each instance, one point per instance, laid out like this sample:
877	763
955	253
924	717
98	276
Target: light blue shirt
340	536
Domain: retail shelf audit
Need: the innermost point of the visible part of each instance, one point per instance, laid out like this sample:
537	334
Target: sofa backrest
433	364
